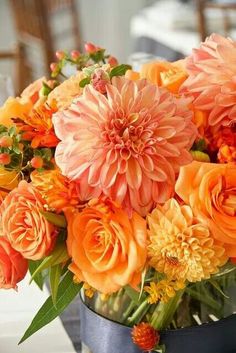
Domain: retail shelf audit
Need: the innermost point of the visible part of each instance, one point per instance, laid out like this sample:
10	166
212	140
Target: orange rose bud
145	336
74	54
5	158
90	48
6	141
37	162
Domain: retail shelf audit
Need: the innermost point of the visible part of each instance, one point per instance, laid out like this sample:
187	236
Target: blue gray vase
104	336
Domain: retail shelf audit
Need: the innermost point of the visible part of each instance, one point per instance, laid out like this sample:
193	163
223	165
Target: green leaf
218	288
59	255
142	283
84	82
98	55
46	154
119	70
12	131
46	89
38	279
56	219
55	275
67	291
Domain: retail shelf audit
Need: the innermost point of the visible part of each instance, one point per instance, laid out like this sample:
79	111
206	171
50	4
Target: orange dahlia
212	79
180	246
145	336
129	145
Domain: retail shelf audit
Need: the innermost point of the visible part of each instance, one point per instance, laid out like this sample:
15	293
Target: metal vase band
104	336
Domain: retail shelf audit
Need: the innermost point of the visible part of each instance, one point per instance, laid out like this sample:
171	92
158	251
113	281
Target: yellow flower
88	290
180	246
163	291
64	94
14	108
8	181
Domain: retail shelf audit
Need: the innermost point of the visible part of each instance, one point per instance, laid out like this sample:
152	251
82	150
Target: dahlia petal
108	174
134	174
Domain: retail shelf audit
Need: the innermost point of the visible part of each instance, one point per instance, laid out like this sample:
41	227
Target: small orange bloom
13	266
37	127
108	249
210	190
58	191
164	74
14	108
22	223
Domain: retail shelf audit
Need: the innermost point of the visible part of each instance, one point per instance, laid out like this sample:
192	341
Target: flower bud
99	80
90	48
112	61
36	162
53	67
6	141
5	158
74	54
60	54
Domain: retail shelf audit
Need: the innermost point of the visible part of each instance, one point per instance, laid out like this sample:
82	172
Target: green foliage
56	219
58	256
84	82
119	70
67	291
38	278
55	275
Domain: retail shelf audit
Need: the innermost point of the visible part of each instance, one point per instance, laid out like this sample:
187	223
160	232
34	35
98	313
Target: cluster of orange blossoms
111	151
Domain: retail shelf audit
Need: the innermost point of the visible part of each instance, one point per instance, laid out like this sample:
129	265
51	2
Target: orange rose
210	189
23	224
13	266
108	249
14	108
165	74
31	92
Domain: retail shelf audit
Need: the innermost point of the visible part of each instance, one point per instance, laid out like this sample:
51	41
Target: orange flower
31	92
36	126
180	245
210	189
58	191
23	224
161	73
108	249
14	108
64	94
13	266
8	180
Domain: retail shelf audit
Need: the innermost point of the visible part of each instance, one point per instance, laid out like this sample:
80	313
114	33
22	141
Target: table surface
17	309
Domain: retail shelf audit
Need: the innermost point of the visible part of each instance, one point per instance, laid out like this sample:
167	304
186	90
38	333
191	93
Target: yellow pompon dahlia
180	246
56	189
64	94
163	291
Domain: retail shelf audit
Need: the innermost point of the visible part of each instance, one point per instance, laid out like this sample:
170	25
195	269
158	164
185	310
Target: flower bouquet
121	186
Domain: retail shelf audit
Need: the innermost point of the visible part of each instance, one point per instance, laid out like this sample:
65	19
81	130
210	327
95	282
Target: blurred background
132	30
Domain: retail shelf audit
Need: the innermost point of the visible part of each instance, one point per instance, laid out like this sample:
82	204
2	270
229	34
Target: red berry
90	48
74	54
37	162
53	67
6	141
5	158
112	61
60	54
145	336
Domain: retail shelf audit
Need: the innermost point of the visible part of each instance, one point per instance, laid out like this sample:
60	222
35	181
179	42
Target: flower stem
139	313
163	314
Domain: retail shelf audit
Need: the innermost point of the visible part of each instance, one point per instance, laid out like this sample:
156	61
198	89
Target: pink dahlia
129	145
212	79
